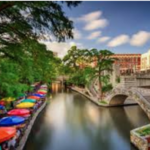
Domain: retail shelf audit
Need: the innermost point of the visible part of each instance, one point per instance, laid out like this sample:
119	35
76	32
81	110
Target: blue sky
122	27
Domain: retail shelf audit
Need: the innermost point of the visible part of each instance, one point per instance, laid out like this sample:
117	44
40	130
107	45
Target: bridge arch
118	99
141	96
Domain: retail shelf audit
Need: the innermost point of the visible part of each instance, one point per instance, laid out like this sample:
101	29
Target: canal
71	122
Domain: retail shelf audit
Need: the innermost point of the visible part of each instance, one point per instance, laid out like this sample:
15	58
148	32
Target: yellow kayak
9	99
25	105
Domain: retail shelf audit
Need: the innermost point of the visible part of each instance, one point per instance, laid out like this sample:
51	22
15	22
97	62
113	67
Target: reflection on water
71	122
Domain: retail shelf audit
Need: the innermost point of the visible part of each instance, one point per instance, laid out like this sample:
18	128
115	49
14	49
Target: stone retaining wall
140	142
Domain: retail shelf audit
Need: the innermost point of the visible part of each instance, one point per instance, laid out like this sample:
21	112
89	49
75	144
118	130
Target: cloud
61	48
119	40
93	20
90	16
95	24
140	38
94	35
103	39
77	34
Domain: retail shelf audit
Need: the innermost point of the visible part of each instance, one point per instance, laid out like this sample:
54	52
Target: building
145	61
128	63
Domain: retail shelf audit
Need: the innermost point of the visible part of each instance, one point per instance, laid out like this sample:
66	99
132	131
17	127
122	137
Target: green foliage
75	57
80	77
118	79
103	102
33	64
103	66
23	60
83	76
144	131
20	20
107	88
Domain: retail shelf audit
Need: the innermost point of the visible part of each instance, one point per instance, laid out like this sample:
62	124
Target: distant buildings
145	61
128	63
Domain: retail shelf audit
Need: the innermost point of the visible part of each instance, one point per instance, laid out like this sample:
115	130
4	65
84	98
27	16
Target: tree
71	58
103	63
21	21
75	57
34	64
23	60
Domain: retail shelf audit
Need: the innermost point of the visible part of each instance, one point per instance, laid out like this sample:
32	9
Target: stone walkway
28	130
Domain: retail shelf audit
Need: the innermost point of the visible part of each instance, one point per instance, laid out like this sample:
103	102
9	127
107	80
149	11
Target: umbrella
2	107
11	121
19	112
7	133
34	97
25	105
39	95
28	100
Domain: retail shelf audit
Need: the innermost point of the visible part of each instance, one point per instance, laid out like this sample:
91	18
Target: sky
122	27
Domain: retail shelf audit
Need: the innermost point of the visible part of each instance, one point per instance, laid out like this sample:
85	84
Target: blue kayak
39	95
11	121
2	107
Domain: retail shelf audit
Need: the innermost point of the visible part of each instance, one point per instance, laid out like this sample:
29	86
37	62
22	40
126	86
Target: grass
103	102
144	131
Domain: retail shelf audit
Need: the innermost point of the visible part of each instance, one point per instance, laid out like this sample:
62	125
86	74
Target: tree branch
6	6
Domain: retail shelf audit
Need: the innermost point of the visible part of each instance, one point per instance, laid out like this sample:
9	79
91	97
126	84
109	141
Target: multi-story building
145	61
128	63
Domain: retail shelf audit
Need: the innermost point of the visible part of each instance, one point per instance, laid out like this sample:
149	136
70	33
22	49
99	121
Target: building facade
145	61
128	63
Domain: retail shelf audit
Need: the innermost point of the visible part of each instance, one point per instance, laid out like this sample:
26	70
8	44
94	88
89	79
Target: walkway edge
95	101
28	130
89	97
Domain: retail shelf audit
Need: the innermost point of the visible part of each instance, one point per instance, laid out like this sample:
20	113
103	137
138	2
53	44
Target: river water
71	122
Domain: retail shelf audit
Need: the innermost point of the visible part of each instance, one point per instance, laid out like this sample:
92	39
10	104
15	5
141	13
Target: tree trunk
100	85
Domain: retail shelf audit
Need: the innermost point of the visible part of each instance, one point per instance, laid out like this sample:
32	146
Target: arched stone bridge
118	96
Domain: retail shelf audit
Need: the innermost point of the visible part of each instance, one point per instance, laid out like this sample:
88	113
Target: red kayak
19	112
41	92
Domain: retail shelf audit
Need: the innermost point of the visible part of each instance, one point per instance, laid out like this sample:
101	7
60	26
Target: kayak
28	100
11	121
34	97
25	105
19	112
7	133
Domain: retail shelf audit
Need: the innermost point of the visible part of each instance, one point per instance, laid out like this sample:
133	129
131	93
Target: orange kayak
34	97
7	133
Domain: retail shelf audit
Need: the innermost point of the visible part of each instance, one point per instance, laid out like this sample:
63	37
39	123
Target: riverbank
96	101
83	92
141	142
33	103
28	130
